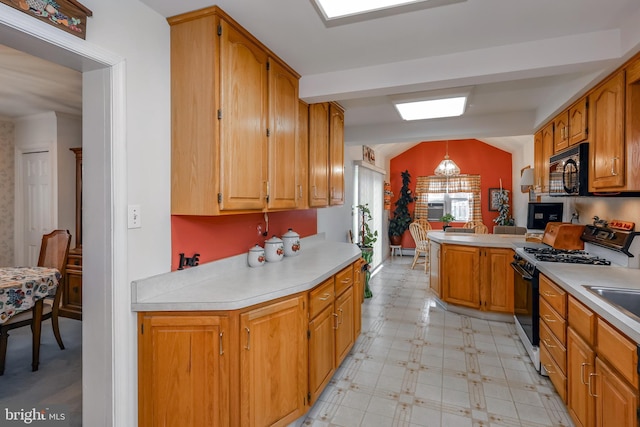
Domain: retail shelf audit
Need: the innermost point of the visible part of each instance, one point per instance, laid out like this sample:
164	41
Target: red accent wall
472	156
217	237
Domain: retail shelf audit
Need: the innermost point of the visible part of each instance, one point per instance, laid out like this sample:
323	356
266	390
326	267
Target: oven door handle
521	271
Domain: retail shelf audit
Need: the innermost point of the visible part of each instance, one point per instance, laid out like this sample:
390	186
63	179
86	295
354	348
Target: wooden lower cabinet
434	267
581	364
616	401
183	370
260	366
479	278
273	363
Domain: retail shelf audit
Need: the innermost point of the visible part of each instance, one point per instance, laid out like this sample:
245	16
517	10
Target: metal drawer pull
325	297
336	323
590	393
549	371
248	346
340	319
548	318
221	347
547	294
582	373
347	280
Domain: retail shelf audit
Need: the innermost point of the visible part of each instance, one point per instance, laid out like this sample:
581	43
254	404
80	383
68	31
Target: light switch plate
134	216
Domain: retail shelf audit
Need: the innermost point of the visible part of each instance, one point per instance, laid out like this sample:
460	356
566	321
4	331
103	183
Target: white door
37	198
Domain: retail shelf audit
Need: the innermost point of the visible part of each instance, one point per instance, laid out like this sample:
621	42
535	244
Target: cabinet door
243	121
358	297
580	364
498	280
616	402
336	155
606	120
542	150
561	132
319	155
344	319
302	162
434	267
183	377
273	363
461	275
321	351
578	130
283	138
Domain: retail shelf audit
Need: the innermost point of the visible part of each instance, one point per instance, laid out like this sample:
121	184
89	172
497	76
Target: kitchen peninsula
226	344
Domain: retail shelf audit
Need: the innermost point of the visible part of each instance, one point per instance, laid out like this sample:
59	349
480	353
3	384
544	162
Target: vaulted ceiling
523	60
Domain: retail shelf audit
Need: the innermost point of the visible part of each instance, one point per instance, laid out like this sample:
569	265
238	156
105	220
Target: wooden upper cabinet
243	121
632	126
234	109
336	154
542	150
302	161
570	127
319	154
561	132
606	119
578	122
283	138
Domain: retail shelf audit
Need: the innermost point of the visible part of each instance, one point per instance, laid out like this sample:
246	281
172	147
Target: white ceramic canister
256	256
291	241
274	249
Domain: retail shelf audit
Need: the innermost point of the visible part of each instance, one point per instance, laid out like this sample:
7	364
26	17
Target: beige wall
7	143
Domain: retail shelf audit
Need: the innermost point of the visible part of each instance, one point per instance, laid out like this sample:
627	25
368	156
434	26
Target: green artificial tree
401	219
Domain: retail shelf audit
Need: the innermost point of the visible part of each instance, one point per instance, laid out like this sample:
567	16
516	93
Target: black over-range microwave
568	172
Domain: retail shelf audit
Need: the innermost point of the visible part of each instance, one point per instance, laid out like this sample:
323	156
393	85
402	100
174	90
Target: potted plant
367	239
401	219
447	219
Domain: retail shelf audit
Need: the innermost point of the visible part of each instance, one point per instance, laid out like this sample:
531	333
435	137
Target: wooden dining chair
419	235
477	226
54	251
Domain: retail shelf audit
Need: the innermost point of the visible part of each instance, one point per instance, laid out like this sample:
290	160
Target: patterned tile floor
417	365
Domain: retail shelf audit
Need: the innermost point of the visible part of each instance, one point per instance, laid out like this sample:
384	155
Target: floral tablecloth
22	287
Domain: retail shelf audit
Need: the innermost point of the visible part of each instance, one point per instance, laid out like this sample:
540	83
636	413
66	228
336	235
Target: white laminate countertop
471	239
230	284
574	277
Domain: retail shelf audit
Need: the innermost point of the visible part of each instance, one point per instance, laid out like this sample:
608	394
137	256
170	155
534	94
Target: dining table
22	289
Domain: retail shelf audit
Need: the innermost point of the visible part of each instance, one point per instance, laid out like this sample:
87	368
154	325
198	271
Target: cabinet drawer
321	297
582	320
558	379
554	295
618	350
556	324
555	348
344	279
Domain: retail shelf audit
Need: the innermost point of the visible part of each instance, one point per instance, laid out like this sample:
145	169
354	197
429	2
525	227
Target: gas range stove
566	256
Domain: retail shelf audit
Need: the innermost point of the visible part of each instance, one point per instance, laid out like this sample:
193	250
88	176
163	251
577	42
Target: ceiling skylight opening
333	9
431	108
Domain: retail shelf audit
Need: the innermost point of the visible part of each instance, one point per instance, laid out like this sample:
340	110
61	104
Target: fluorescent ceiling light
431	108
338	8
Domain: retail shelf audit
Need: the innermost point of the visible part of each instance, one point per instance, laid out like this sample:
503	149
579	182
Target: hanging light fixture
447	167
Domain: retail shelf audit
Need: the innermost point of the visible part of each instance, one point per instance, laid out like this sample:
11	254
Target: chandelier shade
447	167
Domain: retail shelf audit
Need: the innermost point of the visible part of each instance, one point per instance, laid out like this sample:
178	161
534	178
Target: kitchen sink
627	300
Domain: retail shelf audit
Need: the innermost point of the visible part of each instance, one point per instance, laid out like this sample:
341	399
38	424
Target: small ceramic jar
274	249
256	256
291	241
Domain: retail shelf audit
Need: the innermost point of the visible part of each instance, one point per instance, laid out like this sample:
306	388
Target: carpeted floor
58	380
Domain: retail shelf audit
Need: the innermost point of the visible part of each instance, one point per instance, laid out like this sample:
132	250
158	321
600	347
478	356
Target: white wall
520	157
